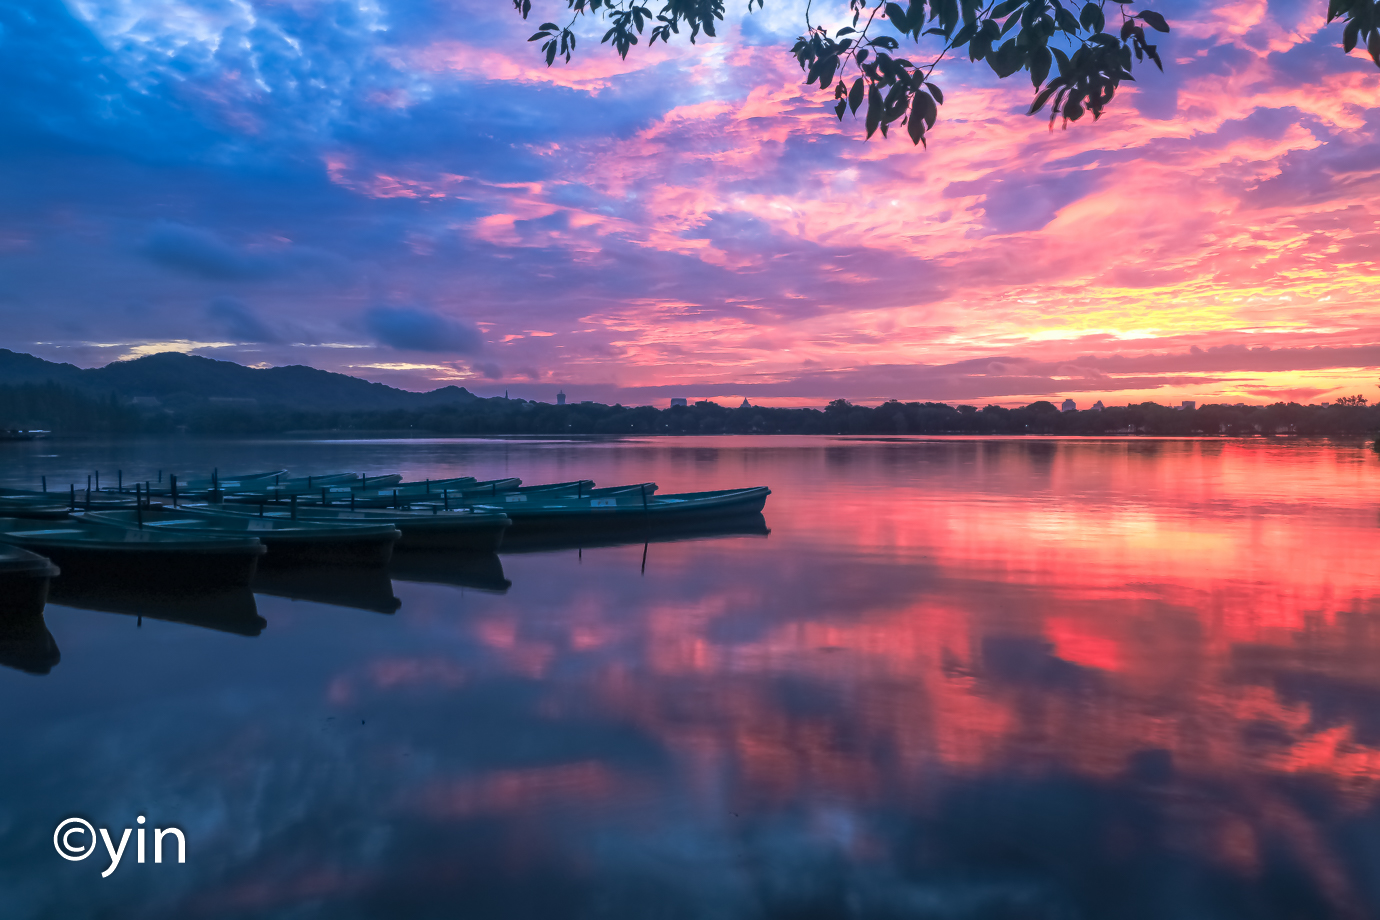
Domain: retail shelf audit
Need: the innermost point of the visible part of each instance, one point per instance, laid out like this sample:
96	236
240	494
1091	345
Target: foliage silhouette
1012	36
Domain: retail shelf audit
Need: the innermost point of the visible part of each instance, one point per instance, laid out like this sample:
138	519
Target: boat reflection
26	645
748	525
481	571
360	587
227	610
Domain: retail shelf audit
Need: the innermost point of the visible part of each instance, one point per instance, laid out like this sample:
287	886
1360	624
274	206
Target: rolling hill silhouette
172	377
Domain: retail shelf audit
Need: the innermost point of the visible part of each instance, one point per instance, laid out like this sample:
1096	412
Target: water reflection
482	571
227	610
960	679
359	587
634	533
26	644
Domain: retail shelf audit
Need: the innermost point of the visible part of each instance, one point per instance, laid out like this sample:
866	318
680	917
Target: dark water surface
959	679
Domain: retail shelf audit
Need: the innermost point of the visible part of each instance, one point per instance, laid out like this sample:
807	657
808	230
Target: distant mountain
175	378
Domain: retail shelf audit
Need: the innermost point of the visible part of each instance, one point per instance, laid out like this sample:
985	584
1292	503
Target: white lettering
114	853
158	835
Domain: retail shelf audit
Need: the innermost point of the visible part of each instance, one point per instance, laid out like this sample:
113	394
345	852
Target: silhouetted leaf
1153	20
1040	60
874	109
855	95
916	126
1091	17
924	107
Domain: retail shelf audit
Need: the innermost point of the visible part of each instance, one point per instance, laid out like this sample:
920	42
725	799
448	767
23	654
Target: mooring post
138	507
172	484
74	496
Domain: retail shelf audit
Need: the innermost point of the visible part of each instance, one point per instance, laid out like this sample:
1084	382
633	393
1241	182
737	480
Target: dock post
172	484
74	496
138	507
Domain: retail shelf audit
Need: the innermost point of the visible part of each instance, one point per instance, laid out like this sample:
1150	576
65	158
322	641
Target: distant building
560	398
1098	407
679	401
745	405
1069	406
1188	405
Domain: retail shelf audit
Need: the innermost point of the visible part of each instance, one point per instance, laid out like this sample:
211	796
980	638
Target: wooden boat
121	556
448	497
26	503
288	541
240	481
359	587
427	486
560	512
274	487
24	580
39	509
478	571
433	528
229	610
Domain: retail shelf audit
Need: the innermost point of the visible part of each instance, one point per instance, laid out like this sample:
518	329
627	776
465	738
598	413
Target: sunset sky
404	192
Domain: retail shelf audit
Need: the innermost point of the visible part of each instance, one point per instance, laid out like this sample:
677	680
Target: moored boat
432	528
555	512
288	541
120	556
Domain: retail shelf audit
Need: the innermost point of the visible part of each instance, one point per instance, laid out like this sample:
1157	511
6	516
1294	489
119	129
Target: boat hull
370	551
534	519
137	565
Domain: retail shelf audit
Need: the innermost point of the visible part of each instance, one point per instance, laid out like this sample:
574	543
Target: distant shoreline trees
71	412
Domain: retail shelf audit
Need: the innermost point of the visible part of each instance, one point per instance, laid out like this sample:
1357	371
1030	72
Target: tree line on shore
68	411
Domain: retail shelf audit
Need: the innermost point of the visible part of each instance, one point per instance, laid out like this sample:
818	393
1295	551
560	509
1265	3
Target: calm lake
958	678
